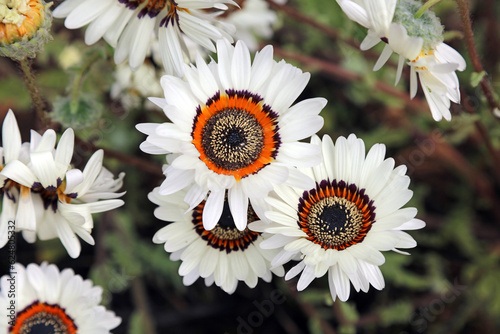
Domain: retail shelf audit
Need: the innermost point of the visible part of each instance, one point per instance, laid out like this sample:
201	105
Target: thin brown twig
310	311
485	84
326	29
337	309
139	163
345	75
139	294
292	12
483	133
36	97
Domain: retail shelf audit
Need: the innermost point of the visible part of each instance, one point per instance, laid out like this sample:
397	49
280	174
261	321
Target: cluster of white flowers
419	41
243	194
44	195
128	25
246	197
253	20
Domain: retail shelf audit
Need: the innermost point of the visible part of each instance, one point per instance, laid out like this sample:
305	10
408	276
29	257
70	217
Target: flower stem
476	60
483	133
139	163
36	97
324	28
79	77
424	8
347	75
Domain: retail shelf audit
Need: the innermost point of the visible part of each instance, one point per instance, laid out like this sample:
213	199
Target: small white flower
418	40
53	301
56	201
224	255
376	15
128	26
436	70
341	225
233	128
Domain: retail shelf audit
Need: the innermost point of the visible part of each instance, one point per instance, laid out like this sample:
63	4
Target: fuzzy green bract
428	26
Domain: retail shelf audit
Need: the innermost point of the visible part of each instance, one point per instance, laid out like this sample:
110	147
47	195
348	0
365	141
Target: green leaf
136	325
315	326
347	329
397	313
349	311
475	78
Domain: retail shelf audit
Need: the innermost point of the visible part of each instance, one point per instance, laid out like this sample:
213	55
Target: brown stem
36	97
476	60
139	294
326	29
310	311
337	309
483	133
139	163
292	12
345	75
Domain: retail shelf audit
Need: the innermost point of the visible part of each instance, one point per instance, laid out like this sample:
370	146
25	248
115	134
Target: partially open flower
44	196
418	40
24	27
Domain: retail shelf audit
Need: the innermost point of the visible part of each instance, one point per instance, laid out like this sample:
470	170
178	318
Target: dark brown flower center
236	134
335	215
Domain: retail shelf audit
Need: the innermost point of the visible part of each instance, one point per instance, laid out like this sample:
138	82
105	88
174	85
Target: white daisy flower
416	40
51	301
128	26
377	16
341	225
233	128
61	199
224	255
436	70
14	195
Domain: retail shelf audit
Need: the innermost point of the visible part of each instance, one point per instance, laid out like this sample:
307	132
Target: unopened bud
24	28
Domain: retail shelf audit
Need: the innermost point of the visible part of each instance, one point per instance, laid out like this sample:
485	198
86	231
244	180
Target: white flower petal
213	209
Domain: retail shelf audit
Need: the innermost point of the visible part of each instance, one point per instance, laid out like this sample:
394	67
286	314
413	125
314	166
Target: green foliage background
449	284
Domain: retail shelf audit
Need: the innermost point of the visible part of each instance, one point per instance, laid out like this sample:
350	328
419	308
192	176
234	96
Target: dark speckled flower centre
232	139
236	133
335	215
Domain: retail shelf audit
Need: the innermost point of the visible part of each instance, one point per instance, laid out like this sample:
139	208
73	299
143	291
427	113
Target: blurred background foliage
449	284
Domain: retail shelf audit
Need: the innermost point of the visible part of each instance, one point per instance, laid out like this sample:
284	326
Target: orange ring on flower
37	313
225	236
236	150
335	215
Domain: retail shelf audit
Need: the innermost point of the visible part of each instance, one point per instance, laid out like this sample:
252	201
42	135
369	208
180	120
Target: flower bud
24	27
